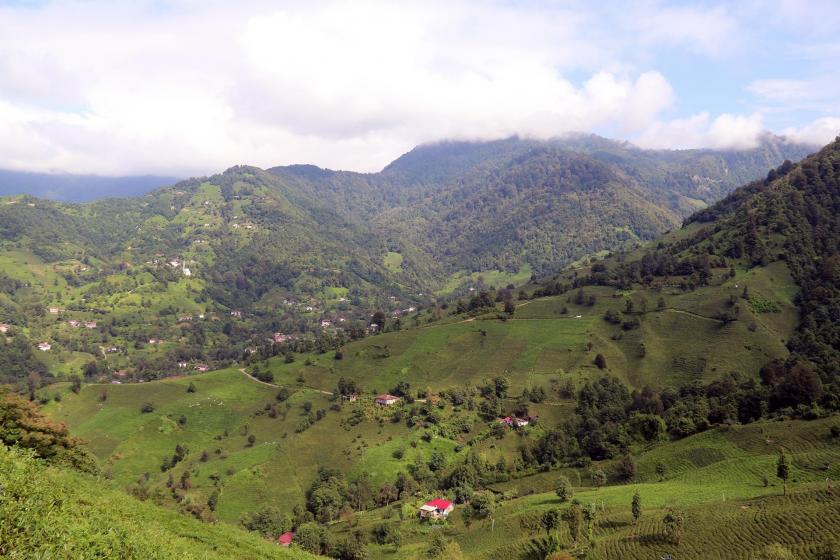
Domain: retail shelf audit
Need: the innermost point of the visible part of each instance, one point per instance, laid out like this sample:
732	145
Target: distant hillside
209	269
424	201
78	188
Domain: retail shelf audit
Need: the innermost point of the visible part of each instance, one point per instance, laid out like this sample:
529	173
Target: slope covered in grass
50	512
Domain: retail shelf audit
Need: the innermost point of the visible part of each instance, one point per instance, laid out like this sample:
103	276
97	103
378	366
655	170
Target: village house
436	509
184	318
286	538
237	314
182	365
202	367
90	324
54	310
514	421
4	328
280	338
44	346
113	350
386	400
352	397
73	323
325	323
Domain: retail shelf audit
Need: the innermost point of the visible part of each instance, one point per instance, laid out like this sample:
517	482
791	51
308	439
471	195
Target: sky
192	87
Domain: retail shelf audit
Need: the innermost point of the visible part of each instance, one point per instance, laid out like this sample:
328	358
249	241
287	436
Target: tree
191	387
310	536
600	361
661	469
599	477
565	490
574	519
783	470
23	425
550	520
674	520
636	507
626	468
252	439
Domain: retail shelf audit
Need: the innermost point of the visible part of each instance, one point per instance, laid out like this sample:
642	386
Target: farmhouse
386	400
44	346
436	509
286	538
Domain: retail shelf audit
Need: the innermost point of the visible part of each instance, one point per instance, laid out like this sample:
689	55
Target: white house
386	400
44	346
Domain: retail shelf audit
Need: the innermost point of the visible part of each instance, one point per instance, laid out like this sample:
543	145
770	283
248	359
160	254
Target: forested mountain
306	251
78	188
424	201
789	219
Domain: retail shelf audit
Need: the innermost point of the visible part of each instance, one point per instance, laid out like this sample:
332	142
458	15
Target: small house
520	422
4	328
286	538
436	509
386	400
185	318
90	324
202	367
73	323
506	420
325	323
44	346
352	397
54	310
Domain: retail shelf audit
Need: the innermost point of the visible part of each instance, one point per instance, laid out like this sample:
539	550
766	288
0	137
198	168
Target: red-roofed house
286	538
386	400
436	509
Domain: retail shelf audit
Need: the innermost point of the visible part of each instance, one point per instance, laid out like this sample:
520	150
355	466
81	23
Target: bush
147	408
564	490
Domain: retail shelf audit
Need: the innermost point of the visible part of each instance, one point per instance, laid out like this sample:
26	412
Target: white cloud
701	131
819	132
191	87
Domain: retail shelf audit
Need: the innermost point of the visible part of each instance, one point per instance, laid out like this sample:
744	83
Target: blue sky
192	87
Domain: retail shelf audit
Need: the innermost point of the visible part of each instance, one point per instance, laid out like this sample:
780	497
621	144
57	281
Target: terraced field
715	478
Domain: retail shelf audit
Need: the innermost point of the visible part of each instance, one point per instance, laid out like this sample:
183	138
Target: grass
393	261
50	512
495	278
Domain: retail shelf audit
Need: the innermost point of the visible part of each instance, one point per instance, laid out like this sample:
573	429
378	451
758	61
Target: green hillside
49	512
206	271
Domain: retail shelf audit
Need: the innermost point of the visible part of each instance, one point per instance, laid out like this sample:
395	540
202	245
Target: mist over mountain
67	187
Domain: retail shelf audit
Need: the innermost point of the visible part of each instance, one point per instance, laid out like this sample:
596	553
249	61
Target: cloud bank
192	87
